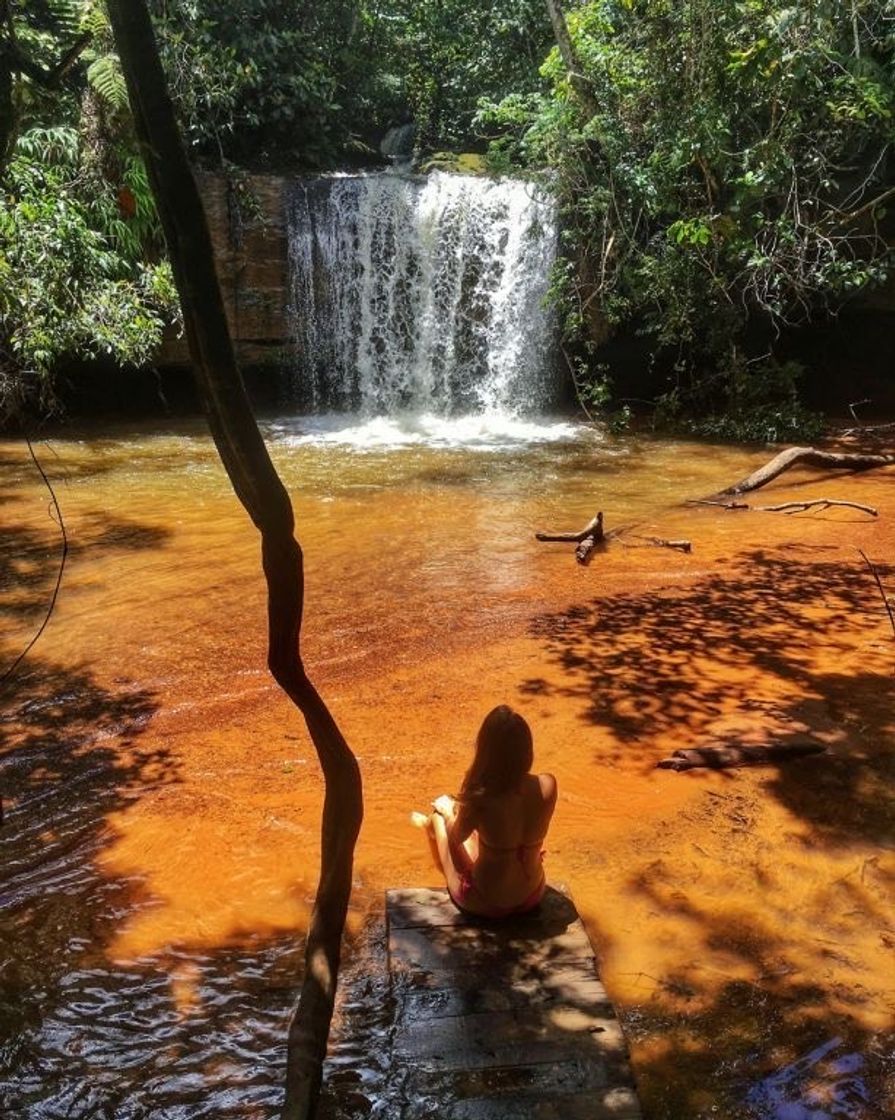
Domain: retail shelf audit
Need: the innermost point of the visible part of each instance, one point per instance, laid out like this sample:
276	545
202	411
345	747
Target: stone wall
247	219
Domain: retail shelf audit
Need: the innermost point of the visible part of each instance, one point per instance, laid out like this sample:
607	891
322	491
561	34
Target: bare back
510	829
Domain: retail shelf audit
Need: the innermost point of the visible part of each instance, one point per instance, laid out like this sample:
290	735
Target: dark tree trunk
264	497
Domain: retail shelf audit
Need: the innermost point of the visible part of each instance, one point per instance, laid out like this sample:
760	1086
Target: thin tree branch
823	503
265	499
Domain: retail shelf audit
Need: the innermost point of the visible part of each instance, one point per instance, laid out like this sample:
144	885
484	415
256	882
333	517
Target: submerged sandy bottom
163	799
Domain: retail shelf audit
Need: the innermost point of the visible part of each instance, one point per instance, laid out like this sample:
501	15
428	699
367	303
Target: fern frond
105	76
66	15
94	20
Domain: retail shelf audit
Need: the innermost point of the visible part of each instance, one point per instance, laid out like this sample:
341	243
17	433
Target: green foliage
104	75
80	245
254	79
442	56
754	403
724	187
257	82
69	283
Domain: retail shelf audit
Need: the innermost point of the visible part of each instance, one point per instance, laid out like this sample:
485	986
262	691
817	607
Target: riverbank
166	801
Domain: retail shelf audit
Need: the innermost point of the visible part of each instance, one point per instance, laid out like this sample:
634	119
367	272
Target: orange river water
162	798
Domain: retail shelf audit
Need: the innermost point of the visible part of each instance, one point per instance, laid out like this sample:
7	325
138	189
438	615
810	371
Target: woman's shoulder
547	786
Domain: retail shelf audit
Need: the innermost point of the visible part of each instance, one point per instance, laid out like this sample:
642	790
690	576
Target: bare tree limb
264	497
802	456
587	539
787	507
822	503
661	542
592	535
848	219
594	528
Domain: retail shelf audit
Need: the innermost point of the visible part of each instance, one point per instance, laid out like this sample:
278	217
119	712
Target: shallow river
162	799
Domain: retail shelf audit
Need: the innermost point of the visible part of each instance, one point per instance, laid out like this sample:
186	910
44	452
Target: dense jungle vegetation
723	166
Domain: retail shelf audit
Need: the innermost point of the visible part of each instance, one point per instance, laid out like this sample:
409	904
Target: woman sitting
490	839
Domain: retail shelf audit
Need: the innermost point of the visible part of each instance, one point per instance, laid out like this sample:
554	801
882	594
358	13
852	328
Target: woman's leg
457	873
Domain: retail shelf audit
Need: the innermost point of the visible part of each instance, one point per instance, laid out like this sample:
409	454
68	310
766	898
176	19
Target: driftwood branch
587	539
822	503
593	535
802	456
261	492
727	757
871	430
789	507
662	542
594	528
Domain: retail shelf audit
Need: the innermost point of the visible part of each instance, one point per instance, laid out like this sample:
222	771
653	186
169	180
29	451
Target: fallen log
807	457
731	757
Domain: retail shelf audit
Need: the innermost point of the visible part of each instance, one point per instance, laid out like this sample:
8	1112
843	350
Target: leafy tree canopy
81	273
732	179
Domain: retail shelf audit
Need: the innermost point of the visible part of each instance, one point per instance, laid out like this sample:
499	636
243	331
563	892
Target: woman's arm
460	824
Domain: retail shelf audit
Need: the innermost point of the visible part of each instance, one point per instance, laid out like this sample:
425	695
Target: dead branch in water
587	538
887	602
594	528
729	757
788	507
872	430
823	503
593	535
803	456
660	542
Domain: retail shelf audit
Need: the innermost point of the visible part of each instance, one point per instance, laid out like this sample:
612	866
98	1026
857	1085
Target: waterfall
420	294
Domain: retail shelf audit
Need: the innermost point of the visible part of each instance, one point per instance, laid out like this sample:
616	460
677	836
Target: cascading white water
421	294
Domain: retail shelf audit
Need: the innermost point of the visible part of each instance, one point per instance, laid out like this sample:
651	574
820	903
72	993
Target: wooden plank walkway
501	1020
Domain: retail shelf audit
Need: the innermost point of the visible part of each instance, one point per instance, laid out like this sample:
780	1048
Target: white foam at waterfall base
421	294
489	431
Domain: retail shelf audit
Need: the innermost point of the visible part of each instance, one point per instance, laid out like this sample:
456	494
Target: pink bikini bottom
467	887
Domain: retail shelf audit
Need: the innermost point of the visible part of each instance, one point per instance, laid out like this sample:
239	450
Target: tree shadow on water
776	644
770	990
186	1032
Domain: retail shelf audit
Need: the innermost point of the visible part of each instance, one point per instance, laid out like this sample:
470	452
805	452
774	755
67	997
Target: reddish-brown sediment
740	916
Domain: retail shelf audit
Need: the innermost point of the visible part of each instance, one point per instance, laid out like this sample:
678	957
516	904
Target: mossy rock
461	163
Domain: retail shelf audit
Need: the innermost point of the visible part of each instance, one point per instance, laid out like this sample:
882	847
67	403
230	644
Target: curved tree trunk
264	497
807	457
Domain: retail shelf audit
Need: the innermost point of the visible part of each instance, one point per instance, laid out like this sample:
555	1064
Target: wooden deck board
499	1020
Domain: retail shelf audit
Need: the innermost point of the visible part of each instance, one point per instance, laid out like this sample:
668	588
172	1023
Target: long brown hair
503	755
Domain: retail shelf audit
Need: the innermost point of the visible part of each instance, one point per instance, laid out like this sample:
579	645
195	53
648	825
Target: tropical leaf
95	21
66	15
104	75
57	145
